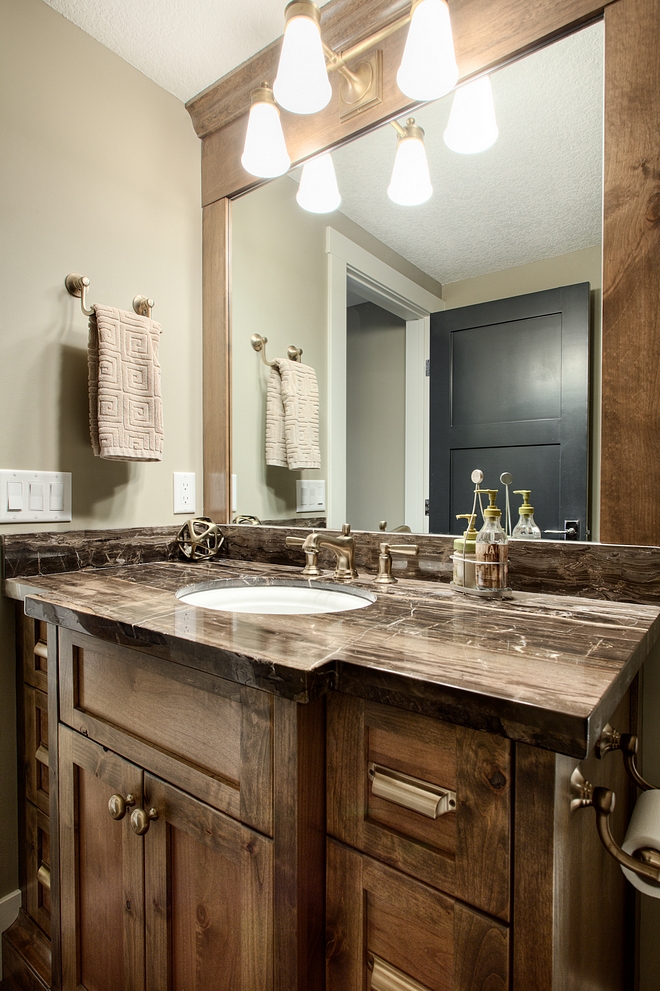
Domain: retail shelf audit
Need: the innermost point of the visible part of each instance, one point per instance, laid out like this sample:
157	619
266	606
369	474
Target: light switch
14	496
310	495
35	496
36	499
56	502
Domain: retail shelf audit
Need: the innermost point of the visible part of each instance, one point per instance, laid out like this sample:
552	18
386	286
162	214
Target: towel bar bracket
259	344
77	285
143	305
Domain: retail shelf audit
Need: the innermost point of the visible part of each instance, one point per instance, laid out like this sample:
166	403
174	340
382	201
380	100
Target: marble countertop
542	669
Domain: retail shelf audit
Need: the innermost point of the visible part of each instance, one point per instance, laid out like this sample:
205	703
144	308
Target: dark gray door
510	392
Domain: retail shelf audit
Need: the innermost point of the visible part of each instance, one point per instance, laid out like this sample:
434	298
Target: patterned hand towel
292	416
125	405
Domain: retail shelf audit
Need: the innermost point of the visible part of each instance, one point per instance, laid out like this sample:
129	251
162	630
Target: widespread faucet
343	546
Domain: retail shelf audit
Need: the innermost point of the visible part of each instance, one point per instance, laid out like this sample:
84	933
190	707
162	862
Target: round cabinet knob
140	820
117	805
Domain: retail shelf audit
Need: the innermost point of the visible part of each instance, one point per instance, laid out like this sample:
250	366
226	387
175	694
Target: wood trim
533	875
299	844
26	956
53	781
631	292
216	353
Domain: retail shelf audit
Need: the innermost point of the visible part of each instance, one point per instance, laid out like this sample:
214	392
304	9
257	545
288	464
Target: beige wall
99	173
279	290
551	273
376	414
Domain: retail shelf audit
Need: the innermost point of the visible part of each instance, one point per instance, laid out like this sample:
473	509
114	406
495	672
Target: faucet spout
342	546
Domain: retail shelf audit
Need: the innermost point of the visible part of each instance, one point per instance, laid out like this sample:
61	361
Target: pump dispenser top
491	511
525	528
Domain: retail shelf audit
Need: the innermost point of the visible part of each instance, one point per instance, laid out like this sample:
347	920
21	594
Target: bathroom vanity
230	790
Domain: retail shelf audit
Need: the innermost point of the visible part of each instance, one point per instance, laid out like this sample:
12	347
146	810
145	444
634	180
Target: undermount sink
269	597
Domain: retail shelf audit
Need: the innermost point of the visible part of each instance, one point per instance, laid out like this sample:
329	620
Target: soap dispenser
525	528
465	554
492	553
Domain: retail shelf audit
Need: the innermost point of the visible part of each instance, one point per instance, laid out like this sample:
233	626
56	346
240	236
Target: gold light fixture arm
338	59
628	744
602	800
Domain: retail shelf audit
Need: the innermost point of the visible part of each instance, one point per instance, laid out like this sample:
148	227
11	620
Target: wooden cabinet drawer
208	736
32	640
37	828
465	851
388	932
36	757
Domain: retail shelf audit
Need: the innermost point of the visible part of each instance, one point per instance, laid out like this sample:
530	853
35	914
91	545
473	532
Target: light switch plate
184	492
35	496
310	495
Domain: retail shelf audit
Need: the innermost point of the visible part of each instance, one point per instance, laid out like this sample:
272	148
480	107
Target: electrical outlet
184	492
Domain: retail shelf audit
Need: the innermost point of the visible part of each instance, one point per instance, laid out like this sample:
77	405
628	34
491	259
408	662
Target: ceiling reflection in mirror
353	288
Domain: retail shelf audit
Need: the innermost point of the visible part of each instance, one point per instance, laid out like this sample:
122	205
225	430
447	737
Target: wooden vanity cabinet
212	879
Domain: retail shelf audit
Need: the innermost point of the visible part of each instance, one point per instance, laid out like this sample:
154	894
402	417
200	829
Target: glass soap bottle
492	552
525	528
465	554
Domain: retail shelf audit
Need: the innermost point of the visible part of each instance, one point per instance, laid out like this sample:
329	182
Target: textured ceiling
183	45
535	194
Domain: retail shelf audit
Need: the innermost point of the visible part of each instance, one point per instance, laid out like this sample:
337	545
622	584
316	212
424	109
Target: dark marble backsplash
598	571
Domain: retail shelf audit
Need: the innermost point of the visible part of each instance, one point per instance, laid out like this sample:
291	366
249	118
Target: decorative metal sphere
200	539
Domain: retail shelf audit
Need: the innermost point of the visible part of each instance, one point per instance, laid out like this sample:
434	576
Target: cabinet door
388	932
102	870
208	897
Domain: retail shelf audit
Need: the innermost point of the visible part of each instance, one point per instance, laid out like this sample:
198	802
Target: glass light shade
428	68
265	153
318	191
472	126
302	85
410	184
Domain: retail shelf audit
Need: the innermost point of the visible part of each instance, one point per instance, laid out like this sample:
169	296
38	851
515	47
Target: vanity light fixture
318	191
472	126
410	184
302	85
265	154
428	68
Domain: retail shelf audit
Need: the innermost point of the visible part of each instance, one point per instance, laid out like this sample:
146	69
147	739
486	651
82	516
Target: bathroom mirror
354	288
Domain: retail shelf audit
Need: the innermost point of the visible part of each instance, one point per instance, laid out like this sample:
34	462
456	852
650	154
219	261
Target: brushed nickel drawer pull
43	876
412	793
41	650
384	977
42	755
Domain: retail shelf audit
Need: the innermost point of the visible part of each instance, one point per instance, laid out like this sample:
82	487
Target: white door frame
387	287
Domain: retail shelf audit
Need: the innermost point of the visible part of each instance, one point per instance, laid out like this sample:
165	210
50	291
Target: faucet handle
294	541
384	576
345	529
406	550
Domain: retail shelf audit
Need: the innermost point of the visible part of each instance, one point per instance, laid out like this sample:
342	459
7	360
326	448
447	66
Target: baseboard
9	908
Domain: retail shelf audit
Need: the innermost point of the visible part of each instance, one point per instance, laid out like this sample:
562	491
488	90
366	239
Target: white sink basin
275	596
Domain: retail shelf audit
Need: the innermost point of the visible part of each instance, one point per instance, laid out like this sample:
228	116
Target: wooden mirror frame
487	34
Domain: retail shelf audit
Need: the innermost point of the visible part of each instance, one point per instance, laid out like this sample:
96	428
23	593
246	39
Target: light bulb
318	191
410	184
265	154
428	68
472	126
302	85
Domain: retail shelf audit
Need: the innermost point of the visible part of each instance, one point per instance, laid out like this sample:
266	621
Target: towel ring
259	344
